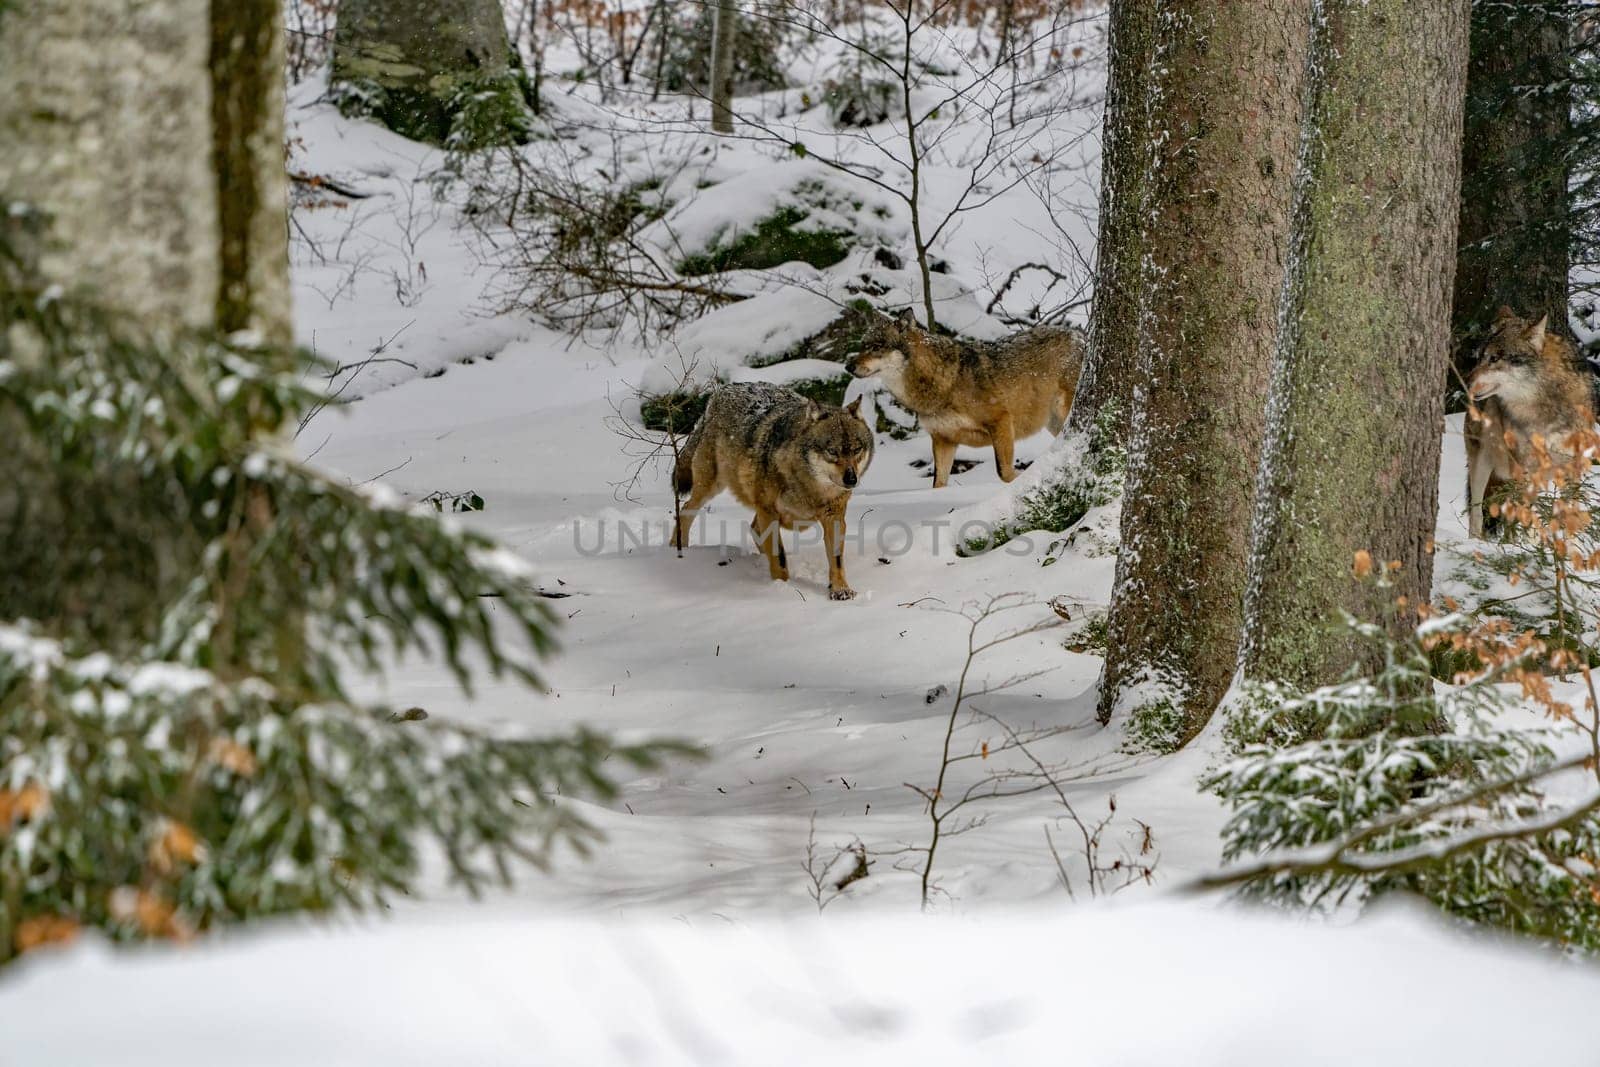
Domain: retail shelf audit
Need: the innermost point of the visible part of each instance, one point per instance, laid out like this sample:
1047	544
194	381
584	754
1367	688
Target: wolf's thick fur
1527	383
975	392
790	459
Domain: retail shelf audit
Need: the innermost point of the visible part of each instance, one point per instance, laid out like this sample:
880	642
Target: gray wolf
978	393
1527	384
792	460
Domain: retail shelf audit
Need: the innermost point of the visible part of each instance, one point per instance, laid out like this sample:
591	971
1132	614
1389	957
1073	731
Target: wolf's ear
1536	332
1503	312
854	407
815	410
906	315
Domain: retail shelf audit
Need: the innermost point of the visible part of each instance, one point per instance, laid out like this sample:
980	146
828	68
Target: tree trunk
1224	112
1352	458
723	33
1105	387
1515	220
247	111
166	204
405	61
124	177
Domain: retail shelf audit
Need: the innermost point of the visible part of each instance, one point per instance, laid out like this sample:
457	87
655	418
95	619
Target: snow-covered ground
1139	986
815	718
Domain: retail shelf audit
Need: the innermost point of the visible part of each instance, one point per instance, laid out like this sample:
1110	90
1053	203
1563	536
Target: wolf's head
1510	363
838	444
884	347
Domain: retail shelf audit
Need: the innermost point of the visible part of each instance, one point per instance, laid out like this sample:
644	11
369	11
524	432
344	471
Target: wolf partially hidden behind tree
1528	388
976	393
793	461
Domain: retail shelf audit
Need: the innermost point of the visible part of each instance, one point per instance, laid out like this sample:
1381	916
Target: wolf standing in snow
791	459
1528	383
975	392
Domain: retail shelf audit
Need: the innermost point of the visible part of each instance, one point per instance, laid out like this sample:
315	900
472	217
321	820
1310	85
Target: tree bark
1516	231
418	54
1105	387
123	177
157	199
1352	457
724	31
247	111
1224	112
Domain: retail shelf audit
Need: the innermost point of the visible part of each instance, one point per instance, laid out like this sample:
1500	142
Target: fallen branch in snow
322	181
829	879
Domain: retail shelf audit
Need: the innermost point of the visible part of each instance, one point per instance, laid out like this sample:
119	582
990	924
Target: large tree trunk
724	31
1105	388
406	61
1352	459
124	177
166	205
247	112
1515	224
1225	113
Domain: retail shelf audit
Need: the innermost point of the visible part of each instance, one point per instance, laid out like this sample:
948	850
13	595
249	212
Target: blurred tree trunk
1224	112
1105	388
1352	457
1515	219
404	61
146	138
725	28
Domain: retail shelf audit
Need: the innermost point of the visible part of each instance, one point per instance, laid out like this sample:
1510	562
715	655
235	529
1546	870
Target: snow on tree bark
1105	387
1516	227
1224	108
1355	417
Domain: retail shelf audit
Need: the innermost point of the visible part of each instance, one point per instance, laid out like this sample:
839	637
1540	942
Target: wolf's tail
683	470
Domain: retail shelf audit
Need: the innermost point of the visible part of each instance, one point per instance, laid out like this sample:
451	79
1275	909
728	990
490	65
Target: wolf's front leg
944	457
1005	444
833	541
769	538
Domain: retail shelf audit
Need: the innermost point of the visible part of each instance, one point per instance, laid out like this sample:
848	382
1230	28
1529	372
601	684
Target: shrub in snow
477	113
1080	478
177	745
814	223
1387	782
674	412
864	88
684	64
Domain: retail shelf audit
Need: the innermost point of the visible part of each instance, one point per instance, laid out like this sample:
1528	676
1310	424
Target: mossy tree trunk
1516	230
166	203
724	31
1352	458
1105	387
1224	109
406	62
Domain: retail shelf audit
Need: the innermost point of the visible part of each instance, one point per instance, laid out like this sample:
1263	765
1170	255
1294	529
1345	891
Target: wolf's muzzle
849	479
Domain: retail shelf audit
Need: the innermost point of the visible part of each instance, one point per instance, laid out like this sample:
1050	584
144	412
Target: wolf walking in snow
974	392
1528	383
792	460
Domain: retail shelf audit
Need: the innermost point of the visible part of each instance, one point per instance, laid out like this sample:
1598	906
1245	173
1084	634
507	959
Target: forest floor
816	717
